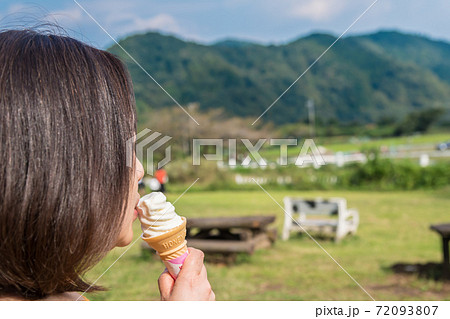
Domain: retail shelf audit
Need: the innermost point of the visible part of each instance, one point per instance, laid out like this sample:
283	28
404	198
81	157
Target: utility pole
311	118
191	108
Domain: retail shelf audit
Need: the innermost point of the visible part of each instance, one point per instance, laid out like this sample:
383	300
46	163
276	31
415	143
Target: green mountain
361	78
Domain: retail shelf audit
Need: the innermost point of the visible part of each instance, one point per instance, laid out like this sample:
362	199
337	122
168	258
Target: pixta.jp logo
148	142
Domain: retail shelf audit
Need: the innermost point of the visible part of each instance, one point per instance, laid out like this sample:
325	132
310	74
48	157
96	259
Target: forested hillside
361	79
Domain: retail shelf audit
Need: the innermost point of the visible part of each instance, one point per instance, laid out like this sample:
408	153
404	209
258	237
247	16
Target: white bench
329	216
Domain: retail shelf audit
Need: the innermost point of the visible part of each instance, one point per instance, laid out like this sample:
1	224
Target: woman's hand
192	282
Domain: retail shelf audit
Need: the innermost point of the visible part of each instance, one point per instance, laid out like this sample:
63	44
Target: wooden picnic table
252	222
224	237
444	231
230	235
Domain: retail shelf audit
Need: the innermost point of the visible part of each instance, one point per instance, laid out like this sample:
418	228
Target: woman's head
66	112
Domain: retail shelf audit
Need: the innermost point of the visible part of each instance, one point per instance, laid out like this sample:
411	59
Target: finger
203	273
165	284
193	262
212	296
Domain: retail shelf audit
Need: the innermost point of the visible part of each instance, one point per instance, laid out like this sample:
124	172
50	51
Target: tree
418	121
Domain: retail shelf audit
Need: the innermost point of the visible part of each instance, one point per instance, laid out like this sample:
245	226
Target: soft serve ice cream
158	216
164	230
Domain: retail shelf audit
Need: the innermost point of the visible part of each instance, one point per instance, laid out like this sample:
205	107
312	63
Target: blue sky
265	21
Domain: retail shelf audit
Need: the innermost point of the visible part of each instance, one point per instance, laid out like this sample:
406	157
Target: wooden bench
230	235
444	231
323	215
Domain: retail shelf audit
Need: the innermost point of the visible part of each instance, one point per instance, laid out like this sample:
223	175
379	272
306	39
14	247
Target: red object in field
161	176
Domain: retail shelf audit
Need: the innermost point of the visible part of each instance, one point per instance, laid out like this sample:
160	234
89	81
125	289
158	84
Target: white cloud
16	7
317	10
162	22
33	15
68	16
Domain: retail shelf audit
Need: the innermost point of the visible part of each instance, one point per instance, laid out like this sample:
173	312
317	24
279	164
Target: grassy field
394	228
341	144
391	141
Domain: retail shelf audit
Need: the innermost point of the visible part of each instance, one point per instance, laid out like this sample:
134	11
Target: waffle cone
171	244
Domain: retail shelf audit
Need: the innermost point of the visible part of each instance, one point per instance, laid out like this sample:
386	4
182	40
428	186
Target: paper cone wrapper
171	247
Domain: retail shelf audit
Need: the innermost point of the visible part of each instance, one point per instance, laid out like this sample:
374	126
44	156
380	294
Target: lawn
341	144
394	228
428	139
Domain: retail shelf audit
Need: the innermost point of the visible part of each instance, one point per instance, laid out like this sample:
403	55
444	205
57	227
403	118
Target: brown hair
66	112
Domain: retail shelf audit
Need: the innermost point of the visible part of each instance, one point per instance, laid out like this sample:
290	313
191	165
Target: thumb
165	284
